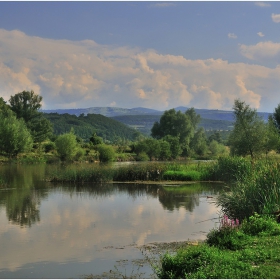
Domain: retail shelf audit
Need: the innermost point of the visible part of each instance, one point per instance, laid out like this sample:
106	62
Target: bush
106	153
142	157
257	225
48	147
66	146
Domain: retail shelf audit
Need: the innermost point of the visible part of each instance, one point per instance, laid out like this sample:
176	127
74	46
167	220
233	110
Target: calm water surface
69	231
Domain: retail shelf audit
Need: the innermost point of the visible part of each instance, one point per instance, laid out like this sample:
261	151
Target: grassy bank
150	171
249	251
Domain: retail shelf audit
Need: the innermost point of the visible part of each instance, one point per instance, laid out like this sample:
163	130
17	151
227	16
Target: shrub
142	157
106	153
50	146
66	146
257	225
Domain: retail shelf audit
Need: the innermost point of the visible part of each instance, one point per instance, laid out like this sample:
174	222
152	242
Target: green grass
191	175
249	251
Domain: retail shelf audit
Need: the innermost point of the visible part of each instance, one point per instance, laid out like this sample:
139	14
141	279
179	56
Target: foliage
142	156
199	142
66	146
229	169
190	175
255	191
140	172
176	124
276	117
249	250
95	140
205	262
260	225
26	105
249	134
49	146
84	125
14	135
106	153
174	143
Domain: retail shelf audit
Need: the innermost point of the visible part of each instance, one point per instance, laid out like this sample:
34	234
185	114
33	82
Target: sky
157	55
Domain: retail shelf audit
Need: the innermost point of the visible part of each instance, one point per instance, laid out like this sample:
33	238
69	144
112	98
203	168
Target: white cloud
260	34
275	18
85	74
261	50
232	36
262	4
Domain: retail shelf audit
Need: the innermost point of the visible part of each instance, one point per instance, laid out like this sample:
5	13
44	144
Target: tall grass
82	174
258	191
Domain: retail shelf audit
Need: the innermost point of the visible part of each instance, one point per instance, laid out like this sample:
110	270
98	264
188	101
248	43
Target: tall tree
275	118
14	135
177	124
249	133
26	105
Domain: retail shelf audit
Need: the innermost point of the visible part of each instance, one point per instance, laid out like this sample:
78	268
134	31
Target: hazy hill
142	119
84	125
144	123
116	111
105	111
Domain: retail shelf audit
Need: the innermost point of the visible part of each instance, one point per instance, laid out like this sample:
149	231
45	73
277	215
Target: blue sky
152	54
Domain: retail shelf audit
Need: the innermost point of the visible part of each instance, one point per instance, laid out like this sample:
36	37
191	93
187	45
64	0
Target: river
76	231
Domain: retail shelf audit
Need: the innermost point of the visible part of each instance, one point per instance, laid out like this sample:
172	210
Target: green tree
106	153
165	152
272	139
26	105
199	142
174	143
215	136
177	124
249	133
276	117
4	108
66	146
14	135
95	140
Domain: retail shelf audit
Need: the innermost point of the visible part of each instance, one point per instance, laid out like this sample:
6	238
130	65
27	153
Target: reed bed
257	191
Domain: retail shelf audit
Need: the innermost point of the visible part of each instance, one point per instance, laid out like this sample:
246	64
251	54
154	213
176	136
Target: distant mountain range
115	111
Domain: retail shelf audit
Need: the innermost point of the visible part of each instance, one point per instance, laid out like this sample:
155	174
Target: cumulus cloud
262	4
232	36
85	74
261	50
260	34
275	18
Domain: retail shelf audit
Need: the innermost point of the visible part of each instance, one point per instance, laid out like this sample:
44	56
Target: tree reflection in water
27	189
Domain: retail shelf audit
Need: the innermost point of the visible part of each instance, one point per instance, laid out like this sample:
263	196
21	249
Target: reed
83	174
258	191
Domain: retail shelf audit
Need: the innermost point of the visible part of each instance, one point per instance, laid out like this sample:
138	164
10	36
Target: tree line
176	134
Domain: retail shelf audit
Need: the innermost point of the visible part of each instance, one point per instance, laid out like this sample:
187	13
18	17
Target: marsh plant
258	191
232	251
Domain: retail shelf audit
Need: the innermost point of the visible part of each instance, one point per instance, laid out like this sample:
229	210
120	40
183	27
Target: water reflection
87	228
